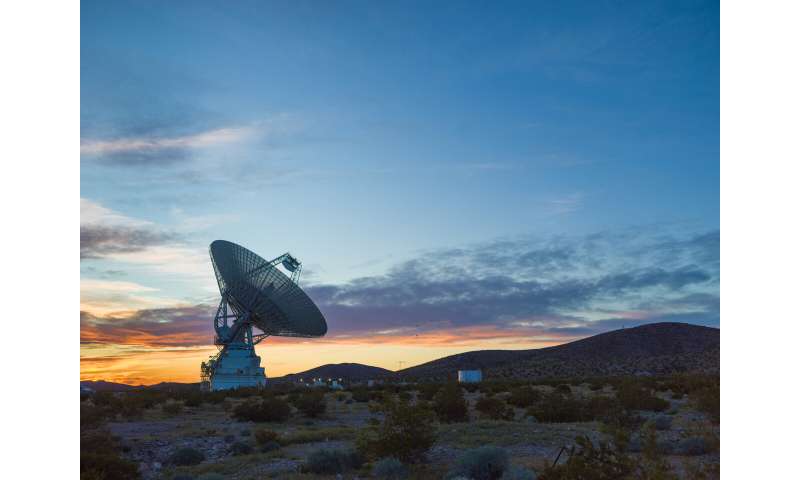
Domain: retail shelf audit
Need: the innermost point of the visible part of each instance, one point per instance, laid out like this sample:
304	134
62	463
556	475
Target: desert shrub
186	456
596	385
240	448
449	404
407	432
172	408
495	387
591	462
92	416
524	397
107	466
636	397
494	408
193	400
390	468
263	436
603	409
482	463
427	391
404	396
211	476
311	404
98	441
270	409
707	401
563	389
554	408
518	473
332	461
692	446
361	395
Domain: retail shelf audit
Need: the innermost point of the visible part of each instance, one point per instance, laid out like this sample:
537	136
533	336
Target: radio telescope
255	293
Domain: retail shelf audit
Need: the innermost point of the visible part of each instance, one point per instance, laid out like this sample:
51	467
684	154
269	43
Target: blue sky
370	138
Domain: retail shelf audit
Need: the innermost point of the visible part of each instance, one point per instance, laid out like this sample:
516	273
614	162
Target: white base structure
237	368
469	376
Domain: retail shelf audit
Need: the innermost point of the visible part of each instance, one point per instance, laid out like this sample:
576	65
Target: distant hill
349	371
103	386
656	349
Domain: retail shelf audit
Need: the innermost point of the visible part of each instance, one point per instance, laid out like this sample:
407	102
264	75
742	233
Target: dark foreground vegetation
599	428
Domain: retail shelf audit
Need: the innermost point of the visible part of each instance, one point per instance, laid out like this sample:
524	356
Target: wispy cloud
107	296
105	232
158	327
109	235
155	150
566	204
154	144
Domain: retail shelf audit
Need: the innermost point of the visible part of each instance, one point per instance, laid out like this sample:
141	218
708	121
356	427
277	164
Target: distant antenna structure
255	293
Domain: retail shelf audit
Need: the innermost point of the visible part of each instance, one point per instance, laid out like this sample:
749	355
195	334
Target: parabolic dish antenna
255	293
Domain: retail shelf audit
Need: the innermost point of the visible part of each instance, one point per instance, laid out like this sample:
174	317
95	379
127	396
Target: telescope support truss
236	365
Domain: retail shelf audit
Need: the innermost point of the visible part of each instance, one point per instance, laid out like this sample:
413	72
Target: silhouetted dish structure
256	287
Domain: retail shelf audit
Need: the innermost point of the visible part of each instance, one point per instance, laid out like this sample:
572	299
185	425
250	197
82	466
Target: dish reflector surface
255	286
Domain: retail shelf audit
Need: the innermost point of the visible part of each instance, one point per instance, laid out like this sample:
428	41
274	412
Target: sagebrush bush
360	395
706	400
270	409
427	391
482	463
407	432
524	397
107	466
635	397
332	461
211	476
494	408
450	405
390	468
262	436
311	404
554	408
591	462
186	456
172	408
193	400
100	458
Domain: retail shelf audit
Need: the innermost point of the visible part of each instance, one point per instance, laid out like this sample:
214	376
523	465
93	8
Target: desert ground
617	428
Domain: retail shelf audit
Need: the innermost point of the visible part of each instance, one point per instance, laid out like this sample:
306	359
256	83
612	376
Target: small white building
469	376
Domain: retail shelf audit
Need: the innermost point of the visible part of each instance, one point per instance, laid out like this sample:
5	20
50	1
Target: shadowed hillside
349	371
659	348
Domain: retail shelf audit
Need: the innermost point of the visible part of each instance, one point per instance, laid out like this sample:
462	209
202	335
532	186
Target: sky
454	176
